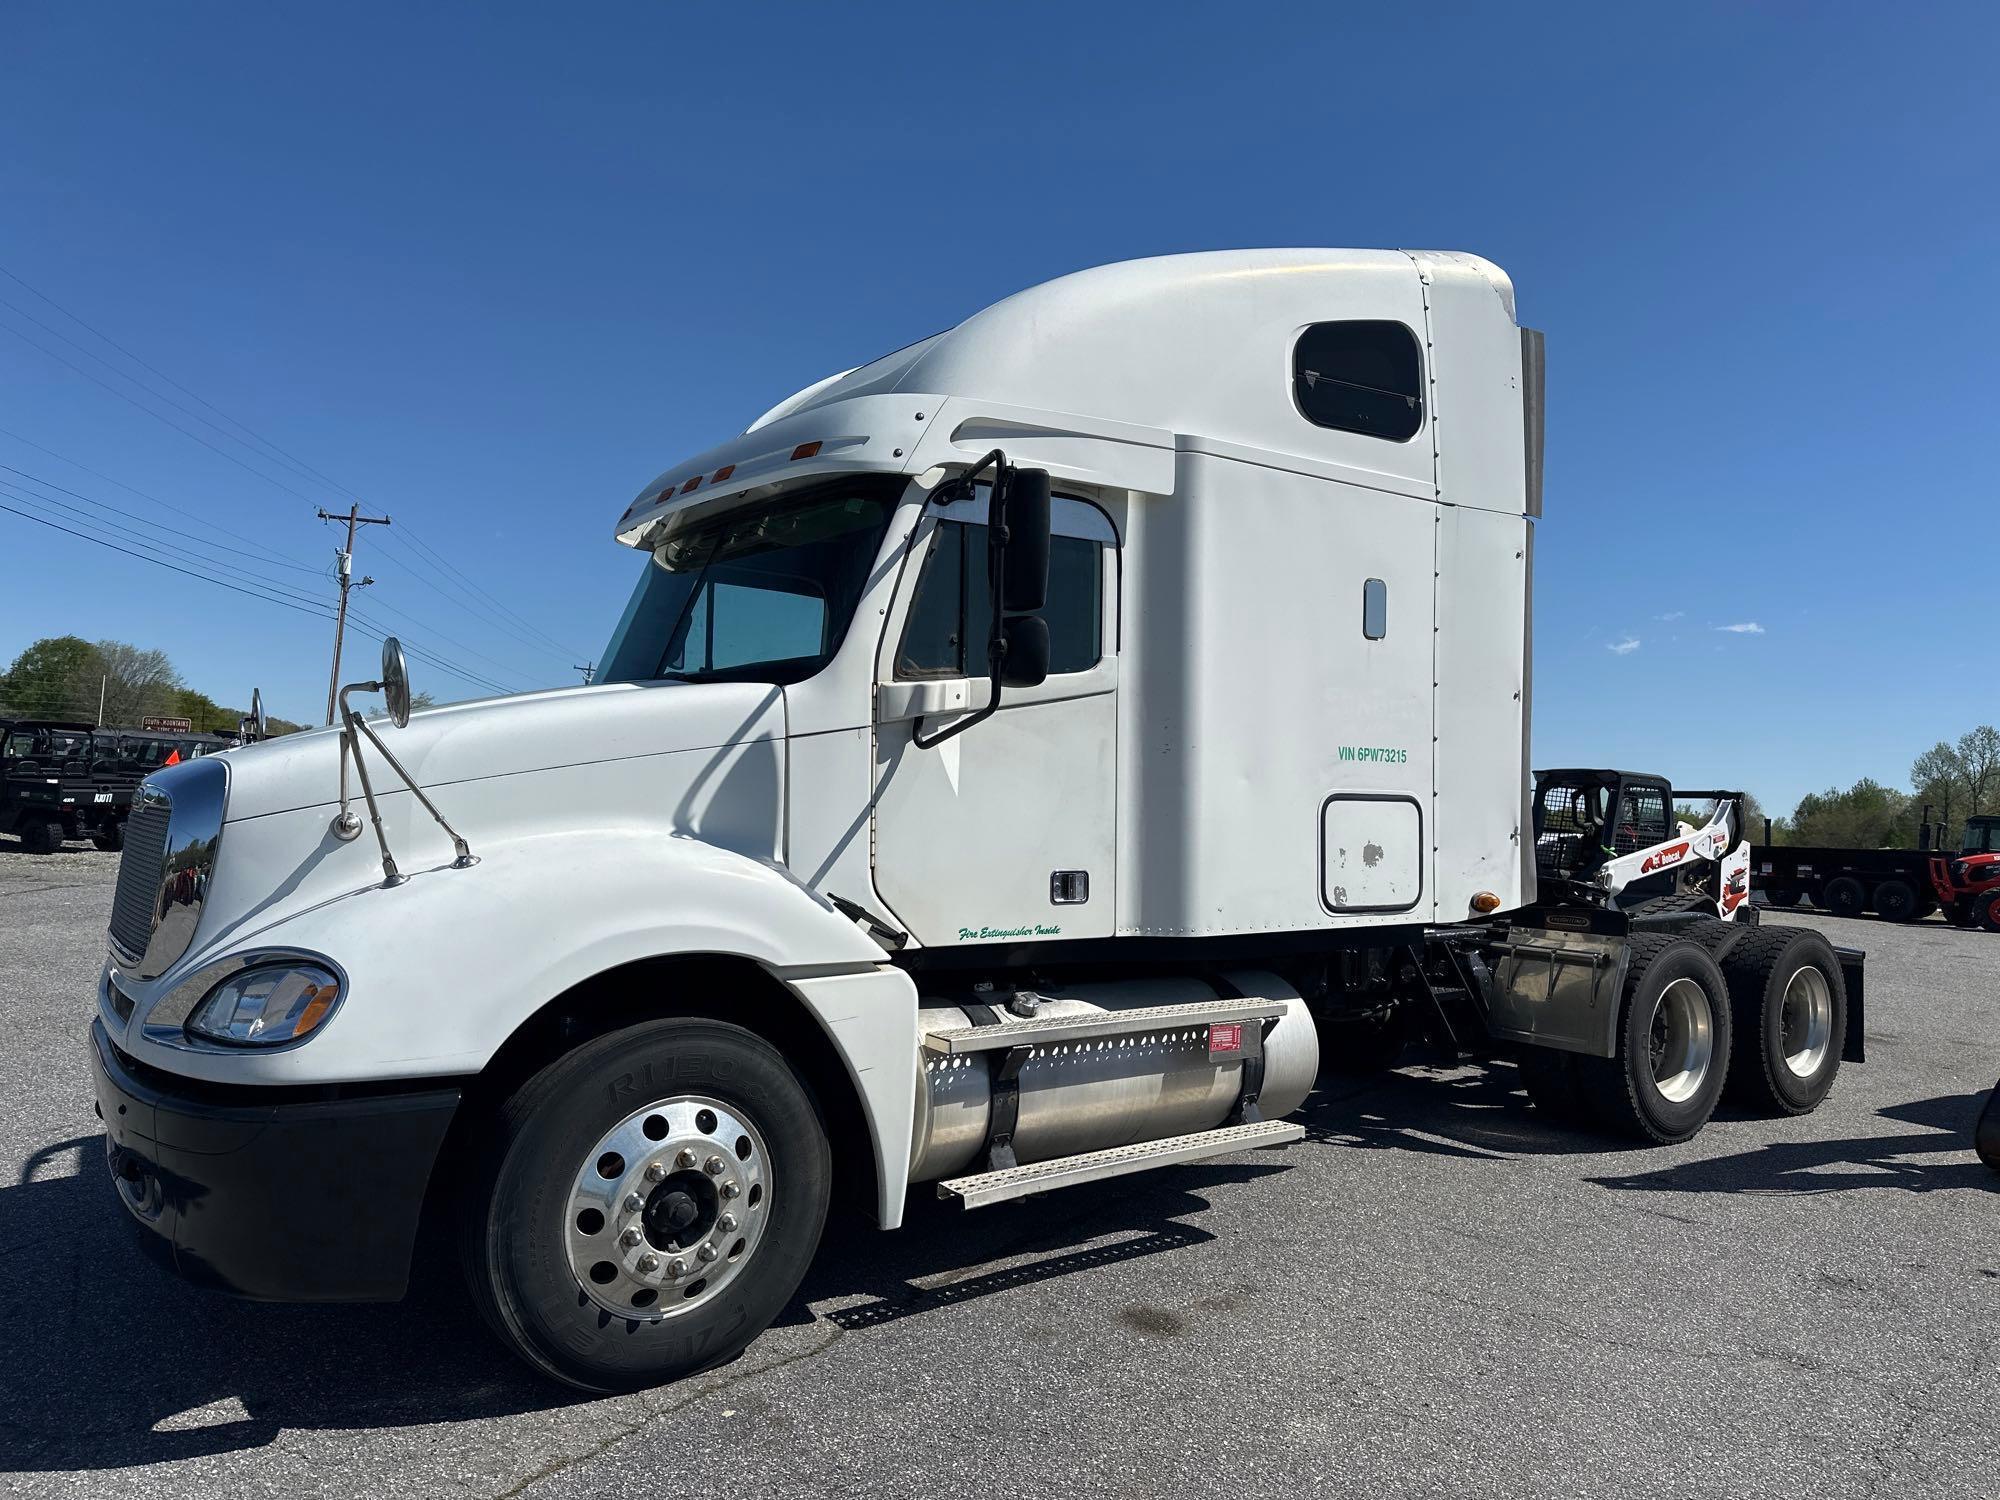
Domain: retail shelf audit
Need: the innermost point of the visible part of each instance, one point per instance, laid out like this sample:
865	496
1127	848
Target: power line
255	589
293	459
144	495
201	559
169	421
170	567
140	520
441	585
446	563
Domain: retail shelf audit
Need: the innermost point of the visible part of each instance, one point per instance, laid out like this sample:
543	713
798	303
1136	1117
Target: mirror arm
347	823
996	569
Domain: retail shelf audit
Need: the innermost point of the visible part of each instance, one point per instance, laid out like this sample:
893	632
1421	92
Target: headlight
268	1006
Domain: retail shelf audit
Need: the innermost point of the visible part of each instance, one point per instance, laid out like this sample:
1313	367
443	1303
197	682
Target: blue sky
491	268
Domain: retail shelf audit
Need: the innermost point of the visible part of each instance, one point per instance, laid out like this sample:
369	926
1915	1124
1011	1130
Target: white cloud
1748	627
1672	614
1623	648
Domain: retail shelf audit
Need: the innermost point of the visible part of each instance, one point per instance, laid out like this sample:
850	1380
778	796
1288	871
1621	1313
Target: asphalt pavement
1437	1293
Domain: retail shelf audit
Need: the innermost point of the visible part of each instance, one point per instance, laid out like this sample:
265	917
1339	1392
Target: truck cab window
755	596
945	635
1361	376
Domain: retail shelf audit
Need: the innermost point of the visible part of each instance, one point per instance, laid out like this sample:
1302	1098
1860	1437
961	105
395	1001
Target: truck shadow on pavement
1906	1161
113	1362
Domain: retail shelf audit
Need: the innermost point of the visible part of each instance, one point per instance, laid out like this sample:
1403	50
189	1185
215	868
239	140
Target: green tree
138	683
1867	815
57	677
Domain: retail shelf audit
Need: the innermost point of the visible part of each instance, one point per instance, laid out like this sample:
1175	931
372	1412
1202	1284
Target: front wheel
1986	911
649	1203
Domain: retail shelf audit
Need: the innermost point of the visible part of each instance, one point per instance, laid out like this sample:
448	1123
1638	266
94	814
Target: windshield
760	596
1982	836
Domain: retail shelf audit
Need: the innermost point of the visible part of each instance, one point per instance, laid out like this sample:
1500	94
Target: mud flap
1558	985
1854	1046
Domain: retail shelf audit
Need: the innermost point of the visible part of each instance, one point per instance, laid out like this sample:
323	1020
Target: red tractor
1968	882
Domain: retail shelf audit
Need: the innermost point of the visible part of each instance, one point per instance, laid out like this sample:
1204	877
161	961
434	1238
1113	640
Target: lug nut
713	1166
657	1172
633	1203
685	1158
706	1252
727	1223
731	1189
649	1263
630	1237
677	1268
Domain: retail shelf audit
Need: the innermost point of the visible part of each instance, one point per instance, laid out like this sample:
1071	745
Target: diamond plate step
1094	1166
958	1040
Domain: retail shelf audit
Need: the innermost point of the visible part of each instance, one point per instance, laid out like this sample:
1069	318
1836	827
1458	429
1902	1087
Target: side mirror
1026	663
395	683
257	723
1024	519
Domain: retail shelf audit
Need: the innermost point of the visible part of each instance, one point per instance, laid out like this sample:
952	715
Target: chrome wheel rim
1806	1022
668	1208
1682	1035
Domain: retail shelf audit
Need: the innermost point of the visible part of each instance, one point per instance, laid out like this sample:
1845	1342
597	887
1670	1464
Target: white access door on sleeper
1007	832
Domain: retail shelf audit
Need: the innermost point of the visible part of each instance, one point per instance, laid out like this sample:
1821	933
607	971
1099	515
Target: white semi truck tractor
1024	760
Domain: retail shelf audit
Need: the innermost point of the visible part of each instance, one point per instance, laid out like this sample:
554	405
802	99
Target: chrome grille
135	907
171	838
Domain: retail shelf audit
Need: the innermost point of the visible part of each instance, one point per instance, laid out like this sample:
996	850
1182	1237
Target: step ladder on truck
1025	760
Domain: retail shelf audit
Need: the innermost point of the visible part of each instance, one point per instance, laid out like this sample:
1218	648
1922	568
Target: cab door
1007	832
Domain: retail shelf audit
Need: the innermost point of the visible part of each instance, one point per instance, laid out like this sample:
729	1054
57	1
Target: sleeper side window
1362	376
945	633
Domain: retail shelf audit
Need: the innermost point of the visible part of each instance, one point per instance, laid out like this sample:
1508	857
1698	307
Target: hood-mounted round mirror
395	683
258	724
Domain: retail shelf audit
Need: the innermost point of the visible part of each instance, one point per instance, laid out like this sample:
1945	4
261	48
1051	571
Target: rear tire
1790	1009
110	838
709	1131
1844	896
41	835
1896	901
1673	1044
1986	911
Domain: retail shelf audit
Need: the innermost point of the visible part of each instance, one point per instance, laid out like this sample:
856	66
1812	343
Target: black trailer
1892	883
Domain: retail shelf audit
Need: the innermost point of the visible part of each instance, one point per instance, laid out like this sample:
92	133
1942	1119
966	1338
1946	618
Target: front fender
443	969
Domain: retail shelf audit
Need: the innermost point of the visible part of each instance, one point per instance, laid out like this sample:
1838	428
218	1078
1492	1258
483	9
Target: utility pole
353	518
589	672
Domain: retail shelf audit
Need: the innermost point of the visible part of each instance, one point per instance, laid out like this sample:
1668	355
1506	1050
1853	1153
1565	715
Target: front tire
1986	911
1790	1005
1673	1044
648	1204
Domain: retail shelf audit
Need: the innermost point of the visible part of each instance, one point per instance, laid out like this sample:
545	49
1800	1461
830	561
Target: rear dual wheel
648	1204
1673	1050
1790	1009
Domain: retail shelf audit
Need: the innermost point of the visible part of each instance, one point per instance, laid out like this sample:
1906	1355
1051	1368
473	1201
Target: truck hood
504	737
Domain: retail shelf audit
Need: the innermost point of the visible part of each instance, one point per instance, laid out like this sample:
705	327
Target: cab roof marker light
723	473
806	450
690	485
